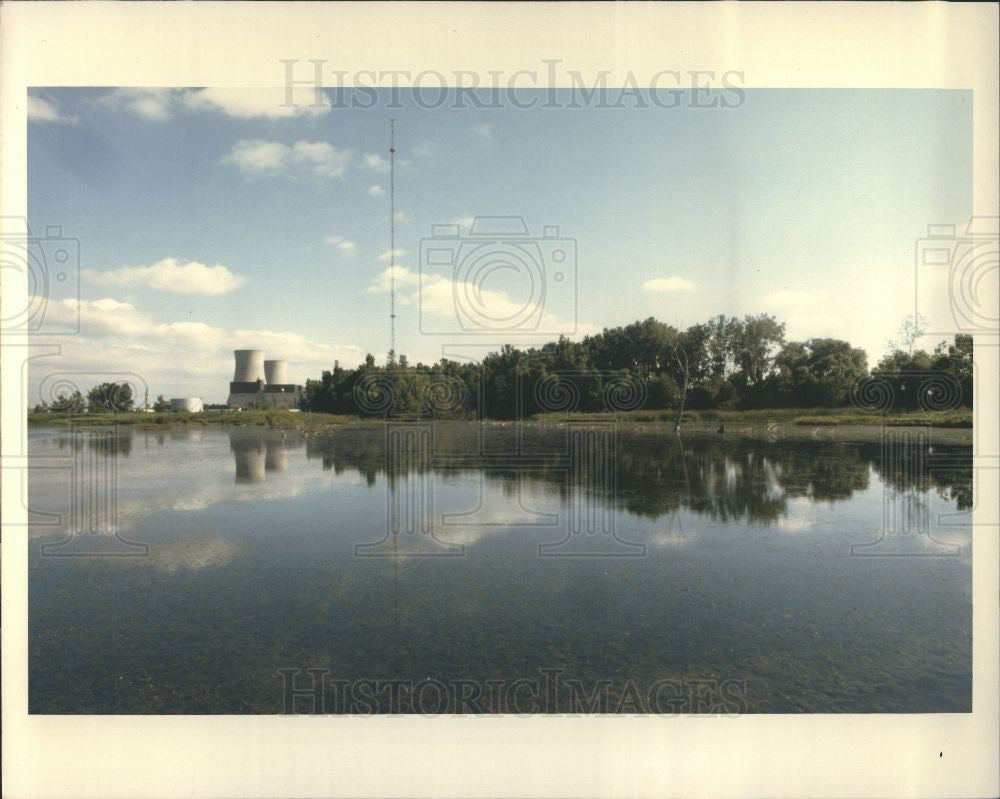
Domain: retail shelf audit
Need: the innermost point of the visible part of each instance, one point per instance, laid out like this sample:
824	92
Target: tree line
725	363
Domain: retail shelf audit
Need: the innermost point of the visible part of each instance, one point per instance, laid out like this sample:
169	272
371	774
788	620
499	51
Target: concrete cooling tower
275	373
261	384
249	366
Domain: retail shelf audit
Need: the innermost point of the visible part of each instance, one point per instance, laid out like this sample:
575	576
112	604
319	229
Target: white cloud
268	103
346	246
662	284
257	157
399	251
812	314
40	110
424	150
375	191
404	277
376	163
437	294
154	104
250	103
170	275
485	130
175	358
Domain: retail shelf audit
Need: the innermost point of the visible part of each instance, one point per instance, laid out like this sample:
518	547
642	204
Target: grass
281	419
799	416
830	424
915	418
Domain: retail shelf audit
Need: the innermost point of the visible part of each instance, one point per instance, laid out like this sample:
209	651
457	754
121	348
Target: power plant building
261	384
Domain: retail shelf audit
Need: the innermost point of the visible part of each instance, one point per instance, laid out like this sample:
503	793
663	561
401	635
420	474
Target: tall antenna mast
392	240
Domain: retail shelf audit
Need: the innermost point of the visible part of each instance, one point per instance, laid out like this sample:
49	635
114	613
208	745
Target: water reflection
651	477
252	541
257	452
656	475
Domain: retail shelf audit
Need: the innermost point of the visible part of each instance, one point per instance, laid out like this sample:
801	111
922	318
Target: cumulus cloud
40	110
388	254
404	277
256	103
185	358
170	275
250	103
436	295
666	284
346	246
375	191
376	163
485	130
258	157
806	314
153	104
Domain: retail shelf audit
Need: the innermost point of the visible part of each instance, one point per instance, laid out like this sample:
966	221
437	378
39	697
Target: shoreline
751	425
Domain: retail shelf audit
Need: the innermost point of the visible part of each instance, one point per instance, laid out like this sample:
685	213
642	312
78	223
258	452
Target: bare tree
911	330
685	370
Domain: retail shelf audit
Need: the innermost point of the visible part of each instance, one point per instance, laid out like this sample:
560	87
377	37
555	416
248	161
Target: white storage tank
190	404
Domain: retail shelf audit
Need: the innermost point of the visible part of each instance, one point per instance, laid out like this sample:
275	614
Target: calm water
427	568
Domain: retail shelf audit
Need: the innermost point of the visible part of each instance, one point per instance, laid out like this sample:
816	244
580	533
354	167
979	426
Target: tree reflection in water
658	474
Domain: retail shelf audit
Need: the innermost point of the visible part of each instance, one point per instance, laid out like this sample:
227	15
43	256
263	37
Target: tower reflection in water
257	452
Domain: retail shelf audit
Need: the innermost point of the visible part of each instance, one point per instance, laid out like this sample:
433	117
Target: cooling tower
249	366
275	373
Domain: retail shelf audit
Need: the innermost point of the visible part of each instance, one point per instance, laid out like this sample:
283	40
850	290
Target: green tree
74	403
110	397
818	372
956	359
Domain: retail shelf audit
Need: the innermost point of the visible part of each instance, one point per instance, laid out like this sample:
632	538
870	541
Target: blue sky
211	220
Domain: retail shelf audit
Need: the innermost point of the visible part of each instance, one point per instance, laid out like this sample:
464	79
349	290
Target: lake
414	567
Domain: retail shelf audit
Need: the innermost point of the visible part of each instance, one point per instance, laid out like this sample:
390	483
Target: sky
209	220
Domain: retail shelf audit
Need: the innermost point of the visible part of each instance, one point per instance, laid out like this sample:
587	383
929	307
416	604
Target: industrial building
261	384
